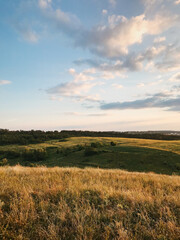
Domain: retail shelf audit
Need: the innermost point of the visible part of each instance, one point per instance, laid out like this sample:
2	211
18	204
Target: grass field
98	203
71	203
129	154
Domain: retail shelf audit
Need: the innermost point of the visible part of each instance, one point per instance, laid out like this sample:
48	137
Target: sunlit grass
72	203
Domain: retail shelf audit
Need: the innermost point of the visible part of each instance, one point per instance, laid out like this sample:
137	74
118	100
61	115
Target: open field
142	155
71	203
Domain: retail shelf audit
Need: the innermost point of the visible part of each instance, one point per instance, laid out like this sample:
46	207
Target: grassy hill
142	155
89	204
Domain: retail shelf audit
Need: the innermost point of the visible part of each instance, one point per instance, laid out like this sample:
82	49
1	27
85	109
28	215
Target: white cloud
66	22
85	114
170	60
152	52
77	89
30	36
114	39
4	82
71	89
108	75
139	85
82	76
104	11
115	85
112	2
177	2
175	77
159	39
26	32
44	3
113	20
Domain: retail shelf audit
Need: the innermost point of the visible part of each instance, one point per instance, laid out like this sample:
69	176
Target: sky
103	65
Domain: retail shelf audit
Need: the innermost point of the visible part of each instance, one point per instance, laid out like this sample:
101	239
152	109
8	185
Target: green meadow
140	155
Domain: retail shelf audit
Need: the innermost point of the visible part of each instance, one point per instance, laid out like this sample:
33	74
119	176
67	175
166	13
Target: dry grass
71	203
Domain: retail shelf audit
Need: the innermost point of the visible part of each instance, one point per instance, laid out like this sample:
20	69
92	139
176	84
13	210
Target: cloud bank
160	100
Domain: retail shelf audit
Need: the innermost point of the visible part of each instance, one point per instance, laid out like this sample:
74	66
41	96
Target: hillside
70	203
143	155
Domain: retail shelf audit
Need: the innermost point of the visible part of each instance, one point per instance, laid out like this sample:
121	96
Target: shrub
34	155
80	147
96	144
177	165
3	162
90	151
113	144
12	154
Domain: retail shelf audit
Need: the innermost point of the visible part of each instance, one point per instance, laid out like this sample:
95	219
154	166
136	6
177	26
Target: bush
34	155
3	162
113	144
12	154
80	147
90	151
177	165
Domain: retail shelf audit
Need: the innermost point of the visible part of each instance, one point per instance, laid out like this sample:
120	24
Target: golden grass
71	203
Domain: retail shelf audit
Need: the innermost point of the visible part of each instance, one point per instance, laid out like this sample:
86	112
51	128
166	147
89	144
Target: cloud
176	88
30	36
153	52
4	82
44	3
112	2
139	85
82	76
114	39
86	114
170	60
161	57
131	62
106	70
177	2
104	11
115	85
159	39
71	89
76	89
175	77
160	100
65	22
26	32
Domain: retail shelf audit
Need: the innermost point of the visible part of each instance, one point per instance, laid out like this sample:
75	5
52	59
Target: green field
129	154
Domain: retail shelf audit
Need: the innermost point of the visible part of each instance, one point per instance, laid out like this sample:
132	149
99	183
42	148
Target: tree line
38	136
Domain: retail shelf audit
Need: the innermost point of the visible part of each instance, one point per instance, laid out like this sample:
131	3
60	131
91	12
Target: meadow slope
71	203
140	155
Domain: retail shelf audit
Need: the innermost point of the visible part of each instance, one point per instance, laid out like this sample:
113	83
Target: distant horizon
106	65
84	130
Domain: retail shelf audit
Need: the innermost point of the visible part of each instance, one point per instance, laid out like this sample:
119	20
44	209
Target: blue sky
96	65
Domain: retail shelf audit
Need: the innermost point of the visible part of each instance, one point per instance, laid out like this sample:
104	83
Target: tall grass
72	203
